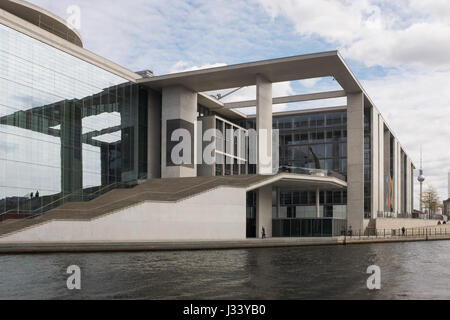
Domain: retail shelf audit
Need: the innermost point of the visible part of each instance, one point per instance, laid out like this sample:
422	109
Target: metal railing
408	216
420	232
77	196
311	172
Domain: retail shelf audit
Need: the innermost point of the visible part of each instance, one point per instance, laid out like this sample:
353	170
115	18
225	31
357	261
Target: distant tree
430	199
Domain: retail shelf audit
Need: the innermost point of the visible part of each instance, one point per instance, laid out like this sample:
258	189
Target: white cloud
309	83
373	31
332	20
182	66
156	34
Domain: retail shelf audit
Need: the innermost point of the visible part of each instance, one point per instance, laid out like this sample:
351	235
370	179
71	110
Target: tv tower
421	179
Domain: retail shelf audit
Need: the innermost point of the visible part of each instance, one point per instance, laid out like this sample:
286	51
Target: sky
399	50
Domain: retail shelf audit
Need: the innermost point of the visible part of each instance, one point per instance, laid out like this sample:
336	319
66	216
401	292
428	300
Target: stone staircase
160	190
371	228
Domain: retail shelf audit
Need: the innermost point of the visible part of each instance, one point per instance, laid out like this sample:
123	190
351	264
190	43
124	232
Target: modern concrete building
87	147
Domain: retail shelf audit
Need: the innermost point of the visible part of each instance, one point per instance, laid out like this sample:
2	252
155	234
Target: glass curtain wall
66	126
316	140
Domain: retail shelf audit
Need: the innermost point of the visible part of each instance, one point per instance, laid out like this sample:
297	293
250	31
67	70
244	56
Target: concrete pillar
355	161
381	174
397	175
412	187
264	211
179	111
408	186
403	182
375	153
264	125
387	169
279	203
317	202
154	135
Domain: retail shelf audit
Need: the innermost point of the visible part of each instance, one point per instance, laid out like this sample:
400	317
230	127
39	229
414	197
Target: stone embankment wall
392	223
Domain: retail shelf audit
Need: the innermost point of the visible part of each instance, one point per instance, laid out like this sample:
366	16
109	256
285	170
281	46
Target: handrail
391	233
313	171
82	196
41	209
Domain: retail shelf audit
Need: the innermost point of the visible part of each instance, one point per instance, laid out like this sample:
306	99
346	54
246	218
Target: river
415	270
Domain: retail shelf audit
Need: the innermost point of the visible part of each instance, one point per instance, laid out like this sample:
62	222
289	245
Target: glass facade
66	126
308	227
316	140
251	214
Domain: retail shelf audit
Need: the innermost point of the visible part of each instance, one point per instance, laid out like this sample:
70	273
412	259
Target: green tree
430	199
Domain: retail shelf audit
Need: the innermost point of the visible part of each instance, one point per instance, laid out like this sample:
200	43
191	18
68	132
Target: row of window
309	197
324	119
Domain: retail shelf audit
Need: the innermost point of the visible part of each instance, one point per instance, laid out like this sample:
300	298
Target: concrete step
166	190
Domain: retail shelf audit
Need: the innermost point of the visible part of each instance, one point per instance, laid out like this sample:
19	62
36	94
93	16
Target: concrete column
317	202
387	168
397	175
278	202
154	135
403	182
179	111
375	153
408	186
381	174
412	187
396	178
264	211
400	183
203	168
355	161
264	125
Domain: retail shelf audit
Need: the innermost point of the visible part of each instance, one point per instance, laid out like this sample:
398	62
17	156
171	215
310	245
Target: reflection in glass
67	127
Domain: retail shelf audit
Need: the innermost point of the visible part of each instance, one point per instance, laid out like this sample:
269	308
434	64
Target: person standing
263	233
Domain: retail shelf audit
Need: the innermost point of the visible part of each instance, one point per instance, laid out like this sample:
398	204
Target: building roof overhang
300	182
324	64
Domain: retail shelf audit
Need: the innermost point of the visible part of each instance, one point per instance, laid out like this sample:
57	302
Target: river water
419	270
